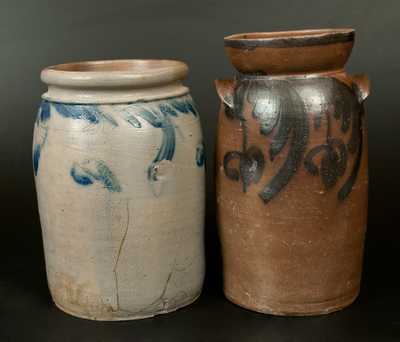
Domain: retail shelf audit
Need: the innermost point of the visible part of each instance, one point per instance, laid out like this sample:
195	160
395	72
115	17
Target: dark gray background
35	34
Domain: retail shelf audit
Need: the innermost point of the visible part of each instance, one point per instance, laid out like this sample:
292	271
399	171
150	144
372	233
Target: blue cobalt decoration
42	130
200	155
90	171
158	116
90	113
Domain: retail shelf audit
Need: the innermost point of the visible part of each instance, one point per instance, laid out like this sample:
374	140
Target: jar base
127	317
300	309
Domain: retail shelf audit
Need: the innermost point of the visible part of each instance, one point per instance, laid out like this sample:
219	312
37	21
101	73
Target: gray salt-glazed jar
118	159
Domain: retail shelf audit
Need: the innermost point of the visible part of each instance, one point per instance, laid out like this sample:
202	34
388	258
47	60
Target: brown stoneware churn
292	180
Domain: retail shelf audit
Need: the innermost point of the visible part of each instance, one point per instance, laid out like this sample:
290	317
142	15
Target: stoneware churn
292	172
118	159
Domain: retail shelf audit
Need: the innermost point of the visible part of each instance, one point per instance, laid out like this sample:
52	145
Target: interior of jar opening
288	34
132	66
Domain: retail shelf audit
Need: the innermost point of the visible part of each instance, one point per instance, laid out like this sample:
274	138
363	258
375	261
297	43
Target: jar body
292	192
121	199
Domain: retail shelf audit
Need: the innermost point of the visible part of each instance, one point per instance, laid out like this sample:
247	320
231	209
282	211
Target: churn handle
363	86
226	90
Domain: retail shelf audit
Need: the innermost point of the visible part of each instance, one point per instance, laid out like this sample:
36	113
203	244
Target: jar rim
135	73
290	52
293	38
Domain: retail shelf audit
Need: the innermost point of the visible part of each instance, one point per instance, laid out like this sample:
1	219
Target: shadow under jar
119	169
292	172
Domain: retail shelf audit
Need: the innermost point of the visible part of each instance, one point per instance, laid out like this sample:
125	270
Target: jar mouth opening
290	38
115	73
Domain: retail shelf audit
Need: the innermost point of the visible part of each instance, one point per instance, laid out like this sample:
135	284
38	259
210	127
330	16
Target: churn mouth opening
297	38
115	73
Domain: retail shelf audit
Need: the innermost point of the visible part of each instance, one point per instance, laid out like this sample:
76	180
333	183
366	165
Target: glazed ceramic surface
292	172
118	160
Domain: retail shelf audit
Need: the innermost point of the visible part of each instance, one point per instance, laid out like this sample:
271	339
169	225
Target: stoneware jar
118	159
292	172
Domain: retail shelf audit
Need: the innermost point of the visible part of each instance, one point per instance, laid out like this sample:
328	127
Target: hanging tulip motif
278	106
